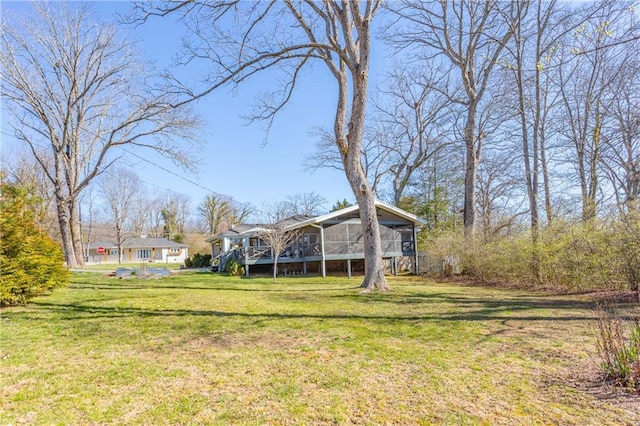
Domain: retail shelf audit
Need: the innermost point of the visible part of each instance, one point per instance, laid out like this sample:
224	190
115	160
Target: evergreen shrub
199	261
234	268
31	263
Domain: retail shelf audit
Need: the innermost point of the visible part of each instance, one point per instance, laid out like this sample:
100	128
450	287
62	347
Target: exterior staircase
225	257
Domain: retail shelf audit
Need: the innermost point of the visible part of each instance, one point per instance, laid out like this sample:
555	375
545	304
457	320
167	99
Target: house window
256	242
174	251
144	254
113	252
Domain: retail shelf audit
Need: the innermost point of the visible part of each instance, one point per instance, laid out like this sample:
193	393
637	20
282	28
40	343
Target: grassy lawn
114	266
198	348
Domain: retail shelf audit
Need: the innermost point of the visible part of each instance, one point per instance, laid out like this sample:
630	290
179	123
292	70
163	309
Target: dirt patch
587	378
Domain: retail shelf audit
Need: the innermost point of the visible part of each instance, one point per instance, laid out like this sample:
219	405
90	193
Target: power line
168	171
164	169
247	205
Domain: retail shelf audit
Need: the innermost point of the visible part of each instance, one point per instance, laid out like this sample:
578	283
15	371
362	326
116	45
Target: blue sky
234	159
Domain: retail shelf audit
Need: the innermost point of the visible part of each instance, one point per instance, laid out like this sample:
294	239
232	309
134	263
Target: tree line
494	111
497	111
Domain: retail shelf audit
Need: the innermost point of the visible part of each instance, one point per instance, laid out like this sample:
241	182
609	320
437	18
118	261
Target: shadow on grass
150	284
485	312
508	303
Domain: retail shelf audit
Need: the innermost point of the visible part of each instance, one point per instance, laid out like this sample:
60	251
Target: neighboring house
331	243
134	250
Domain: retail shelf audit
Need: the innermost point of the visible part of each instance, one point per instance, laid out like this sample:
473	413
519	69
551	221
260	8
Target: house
330	243
134	250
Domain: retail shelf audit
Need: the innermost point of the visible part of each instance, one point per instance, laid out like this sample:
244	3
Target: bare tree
527	69
529	137
326	155
239	39
592	60
88	202
75	86
146	212
221	212
23	171
498	178
279	233
239	213
120	190
621	138
411	115
153	216
214	209
175	211
305	204
436	192
470	36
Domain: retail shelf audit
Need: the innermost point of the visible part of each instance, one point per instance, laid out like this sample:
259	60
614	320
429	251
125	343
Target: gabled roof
102	243
292	221
352	209
139	243
151	242
299	221
241	229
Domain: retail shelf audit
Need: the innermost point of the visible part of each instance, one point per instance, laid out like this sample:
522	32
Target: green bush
565	256
198	261
579	257
627	248
31	263
234	268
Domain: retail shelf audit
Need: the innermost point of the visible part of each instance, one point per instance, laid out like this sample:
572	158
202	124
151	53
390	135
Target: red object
100	250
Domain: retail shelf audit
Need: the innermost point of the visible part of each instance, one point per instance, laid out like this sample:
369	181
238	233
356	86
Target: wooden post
349	268
416	270
245	249
323	267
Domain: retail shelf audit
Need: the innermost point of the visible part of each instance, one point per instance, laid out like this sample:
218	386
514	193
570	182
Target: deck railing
408	246
293	251
356	247
331	248
260	252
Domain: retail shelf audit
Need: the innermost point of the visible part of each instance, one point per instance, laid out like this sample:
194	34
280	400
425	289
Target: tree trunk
471	171
275	266
119	241
76	232
374	277
589	211
530	154
349	142
65	232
